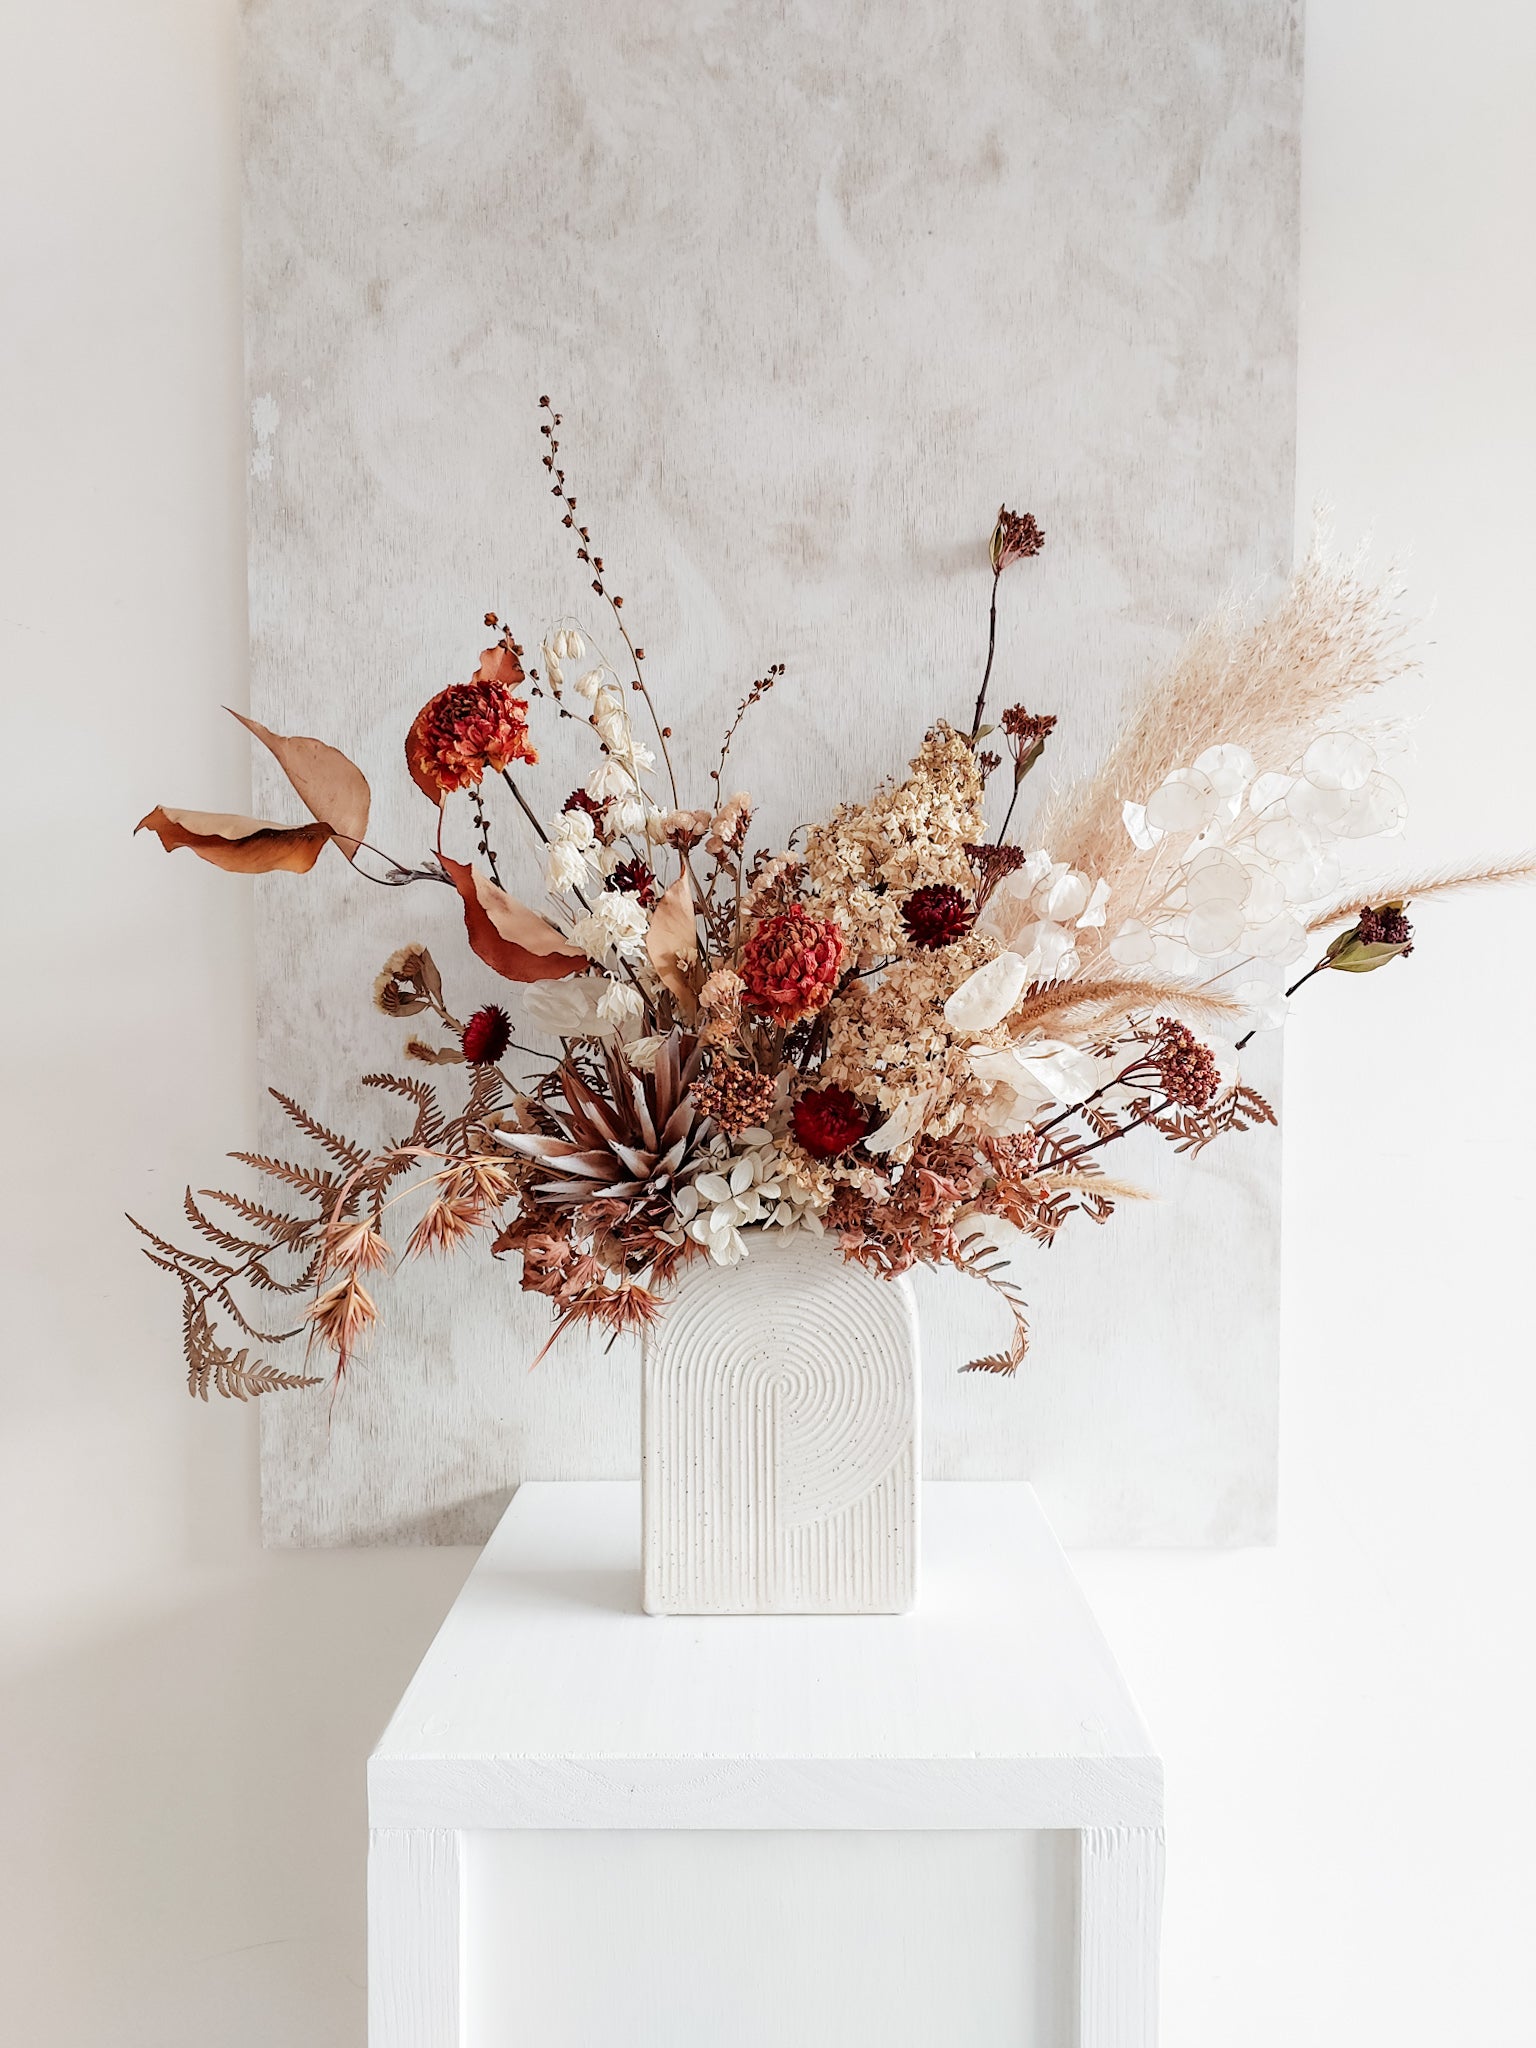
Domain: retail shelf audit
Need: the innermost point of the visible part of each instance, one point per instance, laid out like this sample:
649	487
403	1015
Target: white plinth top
549	1700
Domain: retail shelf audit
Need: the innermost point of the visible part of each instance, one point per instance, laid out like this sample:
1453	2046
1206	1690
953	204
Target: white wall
1346	1719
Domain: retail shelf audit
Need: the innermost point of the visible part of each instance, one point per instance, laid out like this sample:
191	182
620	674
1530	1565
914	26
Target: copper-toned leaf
507	935
245	846
672	941
330	787
500	665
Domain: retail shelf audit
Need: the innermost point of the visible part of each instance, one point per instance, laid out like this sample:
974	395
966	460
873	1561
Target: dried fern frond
979	1259
1334	637
213	1367
1440	882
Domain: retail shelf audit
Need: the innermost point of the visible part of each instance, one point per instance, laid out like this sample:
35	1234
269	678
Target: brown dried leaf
330	787
243	846
507	935
434	1055
672	941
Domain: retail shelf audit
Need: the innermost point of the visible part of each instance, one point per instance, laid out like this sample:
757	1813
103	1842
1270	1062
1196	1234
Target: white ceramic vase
779	1437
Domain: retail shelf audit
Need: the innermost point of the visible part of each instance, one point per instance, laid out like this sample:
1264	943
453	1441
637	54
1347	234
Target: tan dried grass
1334	637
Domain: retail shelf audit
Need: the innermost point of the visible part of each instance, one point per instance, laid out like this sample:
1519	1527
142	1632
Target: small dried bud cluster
1186	1068
737	1096
1015	538
1386	926
990	864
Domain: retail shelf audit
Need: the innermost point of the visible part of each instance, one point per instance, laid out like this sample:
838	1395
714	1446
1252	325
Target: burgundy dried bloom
1186	1068
486	1036
789	965
828	1121
1026	728
937	915
737	1096
1015	538
1386	926
638	879
463	734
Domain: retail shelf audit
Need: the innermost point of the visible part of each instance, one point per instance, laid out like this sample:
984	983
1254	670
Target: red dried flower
464	733
1186	1068
789	965
594	806
937	915
486	1036
829	1121
638	879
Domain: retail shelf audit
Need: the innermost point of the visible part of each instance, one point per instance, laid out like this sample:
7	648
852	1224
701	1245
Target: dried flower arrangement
902	1031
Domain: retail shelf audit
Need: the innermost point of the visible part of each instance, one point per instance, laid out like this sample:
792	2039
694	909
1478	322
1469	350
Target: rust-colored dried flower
486	1036
789	965
635	878
735	1095
937	915
828	1121
463	734
1015	538
1186	1068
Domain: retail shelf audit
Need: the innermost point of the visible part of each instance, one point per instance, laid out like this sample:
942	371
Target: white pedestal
766	1832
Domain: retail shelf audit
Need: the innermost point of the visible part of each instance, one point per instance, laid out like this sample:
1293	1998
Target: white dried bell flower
552	667
621	1009
566	866
617	923
589	684
575	828
628	816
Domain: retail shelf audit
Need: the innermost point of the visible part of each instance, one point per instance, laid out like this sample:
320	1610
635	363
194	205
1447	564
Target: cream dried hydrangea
889	1040
867	857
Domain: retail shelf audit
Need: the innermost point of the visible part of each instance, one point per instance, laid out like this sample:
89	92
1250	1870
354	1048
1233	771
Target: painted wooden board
551	1700
818	1938
816	287
767	1816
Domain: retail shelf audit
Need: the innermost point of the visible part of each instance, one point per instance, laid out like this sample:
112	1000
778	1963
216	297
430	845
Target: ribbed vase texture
779	1438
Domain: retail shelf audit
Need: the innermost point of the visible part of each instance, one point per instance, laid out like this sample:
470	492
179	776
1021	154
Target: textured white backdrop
816	285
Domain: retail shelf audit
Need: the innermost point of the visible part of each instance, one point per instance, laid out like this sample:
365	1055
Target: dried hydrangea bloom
905	838
790	964
463	734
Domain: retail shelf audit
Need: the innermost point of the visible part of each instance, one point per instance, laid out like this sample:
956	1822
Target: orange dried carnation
470	730
789	965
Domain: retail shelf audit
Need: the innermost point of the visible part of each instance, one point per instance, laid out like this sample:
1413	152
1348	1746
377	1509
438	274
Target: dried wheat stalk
1334	637
1441	882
